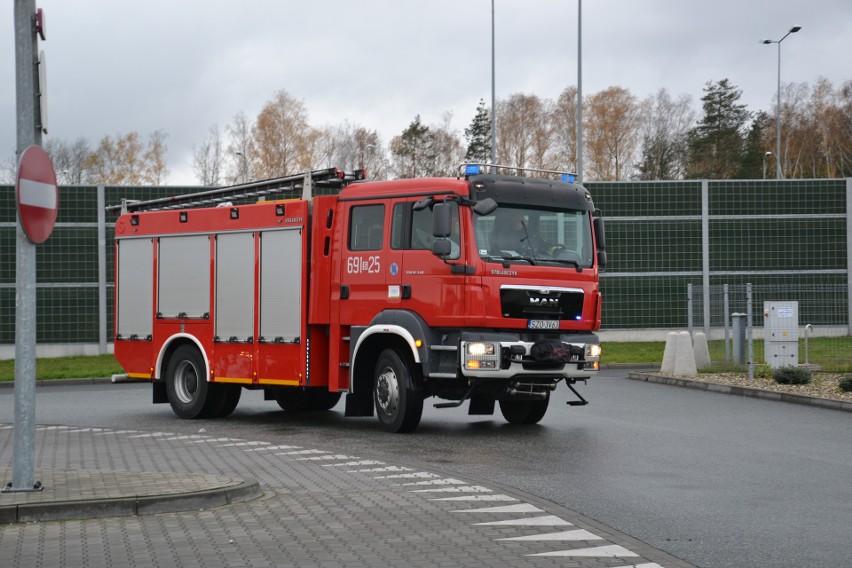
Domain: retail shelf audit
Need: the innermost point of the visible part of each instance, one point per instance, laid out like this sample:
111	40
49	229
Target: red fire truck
481	288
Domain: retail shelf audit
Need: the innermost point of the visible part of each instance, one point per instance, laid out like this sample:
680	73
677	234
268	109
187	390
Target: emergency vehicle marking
363	265
394	269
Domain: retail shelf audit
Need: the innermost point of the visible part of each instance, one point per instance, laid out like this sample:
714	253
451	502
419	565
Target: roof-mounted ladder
305	182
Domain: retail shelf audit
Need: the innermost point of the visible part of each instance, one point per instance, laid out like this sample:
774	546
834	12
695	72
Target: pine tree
478	136
716	143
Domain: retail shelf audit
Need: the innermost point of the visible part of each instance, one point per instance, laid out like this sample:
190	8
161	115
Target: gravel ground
823	385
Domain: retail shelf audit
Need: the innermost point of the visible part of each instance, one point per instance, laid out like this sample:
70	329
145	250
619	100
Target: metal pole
102	273
779	174
849	255
705	253
493	95
579	91
28	134
726	308
750	332
689	310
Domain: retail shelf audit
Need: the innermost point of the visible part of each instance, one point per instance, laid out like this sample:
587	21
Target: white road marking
350	464
334	457
416	475
445	481
609	551
380	469
187	437
212	440
520	508
302	453
644	565
455	489
269	448
239	444
545	521
116	432
578	534
154	435
497	497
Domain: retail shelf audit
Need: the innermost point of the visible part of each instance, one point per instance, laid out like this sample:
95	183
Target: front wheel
524	411
399	404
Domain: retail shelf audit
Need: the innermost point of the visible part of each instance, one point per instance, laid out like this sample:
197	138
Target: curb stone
828	403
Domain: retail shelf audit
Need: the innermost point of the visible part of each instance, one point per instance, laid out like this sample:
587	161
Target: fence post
750	332
849	255
726	316
705	253
689	314
102	293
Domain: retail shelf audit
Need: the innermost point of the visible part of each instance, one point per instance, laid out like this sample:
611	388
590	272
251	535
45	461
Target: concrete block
667	367
684	364
701	350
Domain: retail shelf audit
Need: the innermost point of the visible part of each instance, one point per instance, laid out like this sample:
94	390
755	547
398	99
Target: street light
493	96
778	173
243	165
766	155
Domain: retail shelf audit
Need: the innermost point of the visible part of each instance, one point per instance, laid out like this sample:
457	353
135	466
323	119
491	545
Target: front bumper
505	358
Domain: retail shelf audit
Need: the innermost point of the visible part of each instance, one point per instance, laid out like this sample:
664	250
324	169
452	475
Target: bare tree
208	158
665	136
155	171
125	160
283	141
564	121
613	124
240	149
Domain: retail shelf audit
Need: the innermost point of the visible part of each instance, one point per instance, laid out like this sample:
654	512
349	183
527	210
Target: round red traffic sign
37	194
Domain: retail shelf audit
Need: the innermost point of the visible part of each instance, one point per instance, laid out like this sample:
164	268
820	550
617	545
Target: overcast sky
184	65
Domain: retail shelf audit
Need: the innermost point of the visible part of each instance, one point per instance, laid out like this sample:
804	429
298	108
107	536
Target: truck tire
186	384
227	399
292	399
399	404
524	411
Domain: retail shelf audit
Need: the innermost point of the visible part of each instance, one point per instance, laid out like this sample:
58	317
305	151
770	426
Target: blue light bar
472	170
568	178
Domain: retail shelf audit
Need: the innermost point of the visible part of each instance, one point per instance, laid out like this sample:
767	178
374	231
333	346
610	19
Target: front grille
534	303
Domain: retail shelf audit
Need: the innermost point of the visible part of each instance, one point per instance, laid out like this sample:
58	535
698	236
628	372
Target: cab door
364	262
430	285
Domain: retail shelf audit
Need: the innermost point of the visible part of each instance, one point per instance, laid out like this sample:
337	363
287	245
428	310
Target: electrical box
781	333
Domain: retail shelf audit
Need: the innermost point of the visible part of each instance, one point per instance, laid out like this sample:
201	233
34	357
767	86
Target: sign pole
29	133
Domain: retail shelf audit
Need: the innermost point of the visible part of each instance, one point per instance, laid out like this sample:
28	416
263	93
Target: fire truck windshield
535	236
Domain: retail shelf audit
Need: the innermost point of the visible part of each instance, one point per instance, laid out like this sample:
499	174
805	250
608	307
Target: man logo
545	302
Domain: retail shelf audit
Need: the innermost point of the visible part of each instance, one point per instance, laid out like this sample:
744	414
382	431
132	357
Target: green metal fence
789	238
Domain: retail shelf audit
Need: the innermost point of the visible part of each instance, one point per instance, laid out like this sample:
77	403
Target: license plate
543	324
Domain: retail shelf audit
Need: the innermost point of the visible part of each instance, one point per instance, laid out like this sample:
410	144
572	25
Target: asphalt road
717	480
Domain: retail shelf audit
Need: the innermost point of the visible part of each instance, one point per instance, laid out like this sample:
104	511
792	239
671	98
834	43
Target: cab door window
366	227
421	231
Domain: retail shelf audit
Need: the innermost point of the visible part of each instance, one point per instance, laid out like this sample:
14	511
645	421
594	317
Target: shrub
791	375
846	383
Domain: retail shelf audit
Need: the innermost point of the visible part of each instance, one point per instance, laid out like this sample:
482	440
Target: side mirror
442	221
598	226
485	207
442	247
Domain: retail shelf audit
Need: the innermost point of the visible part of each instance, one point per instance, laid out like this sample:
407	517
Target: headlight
481	356
593	351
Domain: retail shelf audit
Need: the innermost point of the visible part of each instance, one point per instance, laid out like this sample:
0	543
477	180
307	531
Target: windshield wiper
567	261
507	258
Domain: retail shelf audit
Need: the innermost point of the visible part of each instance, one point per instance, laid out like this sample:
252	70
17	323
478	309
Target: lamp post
766	155
778	172
493	96
243	166
579	91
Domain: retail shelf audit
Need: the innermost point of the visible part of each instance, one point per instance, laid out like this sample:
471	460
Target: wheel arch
170	345
368	348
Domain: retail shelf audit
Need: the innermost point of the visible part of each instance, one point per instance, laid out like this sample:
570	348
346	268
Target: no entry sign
37	194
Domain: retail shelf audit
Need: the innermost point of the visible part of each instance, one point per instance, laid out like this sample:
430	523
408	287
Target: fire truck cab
481	288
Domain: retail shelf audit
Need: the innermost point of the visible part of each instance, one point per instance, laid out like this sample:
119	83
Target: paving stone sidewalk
212	501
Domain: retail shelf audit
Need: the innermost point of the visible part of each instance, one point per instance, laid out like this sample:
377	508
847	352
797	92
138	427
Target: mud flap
359	403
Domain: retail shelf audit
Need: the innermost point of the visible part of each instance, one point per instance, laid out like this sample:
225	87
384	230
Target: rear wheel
227	398
399	404
524	411
186	383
